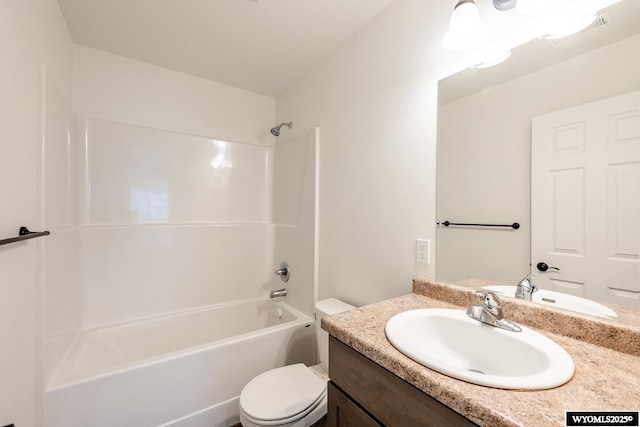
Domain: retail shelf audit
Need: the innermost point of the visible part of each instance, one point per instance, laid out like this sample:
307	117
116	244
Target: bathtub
180	370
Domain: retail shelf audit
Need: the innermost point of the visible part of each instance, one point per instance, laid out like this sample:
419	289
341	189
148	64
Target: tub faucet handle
284	271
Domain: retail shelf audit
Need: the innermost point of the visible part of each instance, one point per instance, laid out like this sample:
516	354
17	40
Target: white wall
138	175
119	89
375	101
174	221
170	222
57	178
294	216
186	220
30	32
484	166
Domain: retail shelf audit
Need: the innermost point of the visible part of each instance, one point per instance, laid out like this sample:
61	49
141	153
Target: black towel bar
515	225
24	234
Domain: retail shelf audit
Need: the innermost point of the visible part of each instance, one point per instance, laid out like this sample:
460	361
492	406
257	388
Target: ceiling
259	45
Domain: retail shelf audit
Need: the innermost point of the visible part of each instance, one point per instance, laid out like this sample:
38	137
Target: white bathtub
182	370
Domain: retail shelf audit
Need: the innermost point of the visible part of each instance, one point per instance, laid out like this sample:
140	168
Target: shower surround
171	222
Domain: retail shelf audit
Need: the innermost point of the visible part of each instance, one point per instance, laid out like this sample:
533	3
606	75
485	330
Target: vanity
372	383
357	382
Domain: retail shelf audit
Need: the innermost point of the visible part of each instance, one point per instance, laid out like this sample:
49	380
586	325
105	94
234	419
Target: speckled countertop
626	315
605	379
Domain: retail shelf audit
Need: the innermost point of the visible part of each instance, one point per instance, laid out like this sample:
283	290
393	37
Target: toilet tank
327	307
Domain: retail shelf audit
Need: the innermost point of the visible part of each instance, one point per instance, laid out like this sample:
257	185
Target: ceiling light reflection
564	25
493	58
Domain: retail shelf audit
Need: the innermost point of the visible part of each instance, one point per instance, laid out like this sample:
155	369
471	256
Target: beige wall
375	101
484	166
30	32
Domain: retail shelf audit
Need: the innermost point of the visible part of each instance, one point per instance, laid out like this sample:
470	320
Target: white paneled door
585	200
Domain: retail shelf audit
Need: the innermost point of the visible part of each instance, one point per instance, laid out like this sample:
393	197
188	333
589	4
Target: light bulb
466	29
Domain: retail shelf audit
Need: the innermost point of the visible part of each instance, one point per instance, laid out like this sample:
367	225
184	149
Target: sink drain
476	371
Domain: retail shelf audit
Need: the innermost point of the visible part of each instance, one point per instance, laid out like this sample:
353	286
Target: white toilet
294	395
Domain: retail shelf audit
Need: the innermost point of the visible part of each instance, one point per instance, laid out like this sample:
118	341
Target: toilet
293	395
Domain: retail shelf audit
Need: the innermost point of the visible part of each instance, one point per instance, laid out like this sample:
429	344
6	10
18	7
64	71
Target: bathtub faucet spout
279	293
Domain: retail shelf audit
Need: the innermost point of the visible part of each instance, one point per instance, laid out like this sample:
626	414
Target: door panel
586	200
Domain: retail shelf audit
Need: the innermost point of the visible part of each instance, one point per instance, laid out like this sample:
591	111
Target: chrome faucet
279	293
525	288
284	271
490	312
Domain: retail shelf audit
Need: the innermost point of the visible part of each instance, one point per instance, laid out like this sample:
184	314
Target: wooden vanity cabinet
362	393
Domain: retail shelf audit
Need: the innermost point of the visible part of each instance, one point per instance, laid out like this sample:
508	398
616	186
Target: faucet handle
489	298
284	271
527	283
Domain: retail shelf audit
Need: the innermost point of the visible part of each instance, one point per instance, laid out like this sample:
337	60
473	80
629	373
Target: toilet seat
282	395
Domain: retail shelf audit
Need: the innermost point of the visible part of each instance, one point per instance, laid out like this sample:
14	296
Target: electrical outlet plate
423	251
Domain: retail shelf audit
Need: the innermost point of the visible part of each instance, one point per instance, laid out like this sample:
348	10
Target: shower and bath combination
276	130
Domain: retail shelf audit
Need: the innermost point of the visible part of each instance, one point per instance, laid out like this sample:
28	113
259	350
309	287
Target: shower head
276	130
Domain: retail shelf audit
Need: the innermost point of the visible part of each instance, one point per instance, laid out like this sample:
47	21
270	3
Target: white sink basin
560	300
449	342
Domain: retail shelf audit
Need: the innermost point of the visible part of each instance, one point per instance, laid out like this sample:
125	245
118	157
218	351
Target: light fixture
564	25
534	7
466	29
504	4
556	19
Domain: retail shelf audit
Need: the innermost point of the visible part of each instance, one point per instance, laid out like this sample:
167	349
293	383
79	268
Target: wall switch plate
423	251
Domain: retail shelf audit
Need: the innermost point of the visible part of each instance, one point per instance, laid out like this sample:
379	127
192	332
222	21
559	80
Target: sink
561	300
449	342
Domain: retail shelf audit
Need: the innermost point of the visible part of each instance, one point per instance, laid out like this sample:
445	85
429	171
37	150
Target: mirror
484	150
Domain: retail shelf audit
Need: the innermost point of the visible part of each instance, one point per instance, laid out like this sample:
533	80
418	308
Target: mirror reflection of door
585	204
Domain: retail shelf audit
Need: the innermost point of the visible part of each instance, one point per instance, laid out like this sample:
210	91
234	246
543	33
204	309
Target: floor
322	422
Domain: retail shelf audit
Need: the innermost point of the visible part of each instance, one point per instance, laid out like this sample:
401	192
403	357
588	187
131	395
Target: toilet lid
282	393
